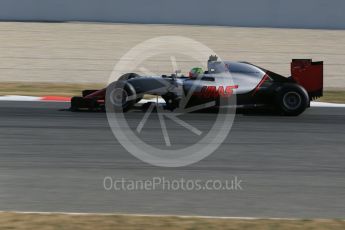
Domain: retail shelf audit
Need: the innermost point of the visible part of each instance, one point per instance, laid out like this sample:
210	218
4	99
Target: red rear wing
308	74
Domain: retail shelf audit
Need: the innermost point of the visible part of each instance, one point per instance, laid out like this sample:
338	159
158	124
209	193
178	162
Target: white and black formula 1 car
253	86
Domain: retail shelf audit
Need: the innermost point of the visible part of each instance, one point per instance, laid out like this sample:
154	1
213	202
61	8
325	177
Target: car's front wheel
120	97
292	100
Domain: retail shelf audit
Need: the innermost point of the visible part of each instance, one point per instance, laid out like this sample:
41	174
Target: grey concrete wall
328	14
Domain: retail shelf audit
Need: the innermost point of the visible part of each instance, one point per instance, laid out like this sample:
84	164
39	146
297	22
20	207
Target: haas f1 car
252	86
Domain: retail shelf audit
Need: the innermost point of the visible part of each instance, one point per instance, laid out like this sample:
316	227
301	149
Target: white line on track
19	98
151	215
325	104
162	216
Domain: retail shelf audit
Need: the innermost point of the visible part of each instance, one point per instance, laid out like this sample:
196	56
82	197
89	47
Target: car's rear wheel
292	100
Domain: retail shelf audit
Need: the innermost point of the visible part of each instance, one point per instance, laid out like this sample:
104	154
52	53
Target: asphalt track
53	160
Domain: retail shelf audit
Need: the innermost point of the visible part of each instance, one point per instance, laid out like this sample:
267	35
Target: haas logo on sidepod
214	92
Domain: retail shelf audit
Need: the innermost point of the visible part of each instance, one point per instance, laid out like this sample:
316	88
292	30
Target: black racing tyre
120	97
128	76
292	100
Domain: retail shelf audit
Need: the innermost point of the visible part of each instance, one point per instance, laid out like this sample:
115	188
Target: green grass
333	96
45	89
107	222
